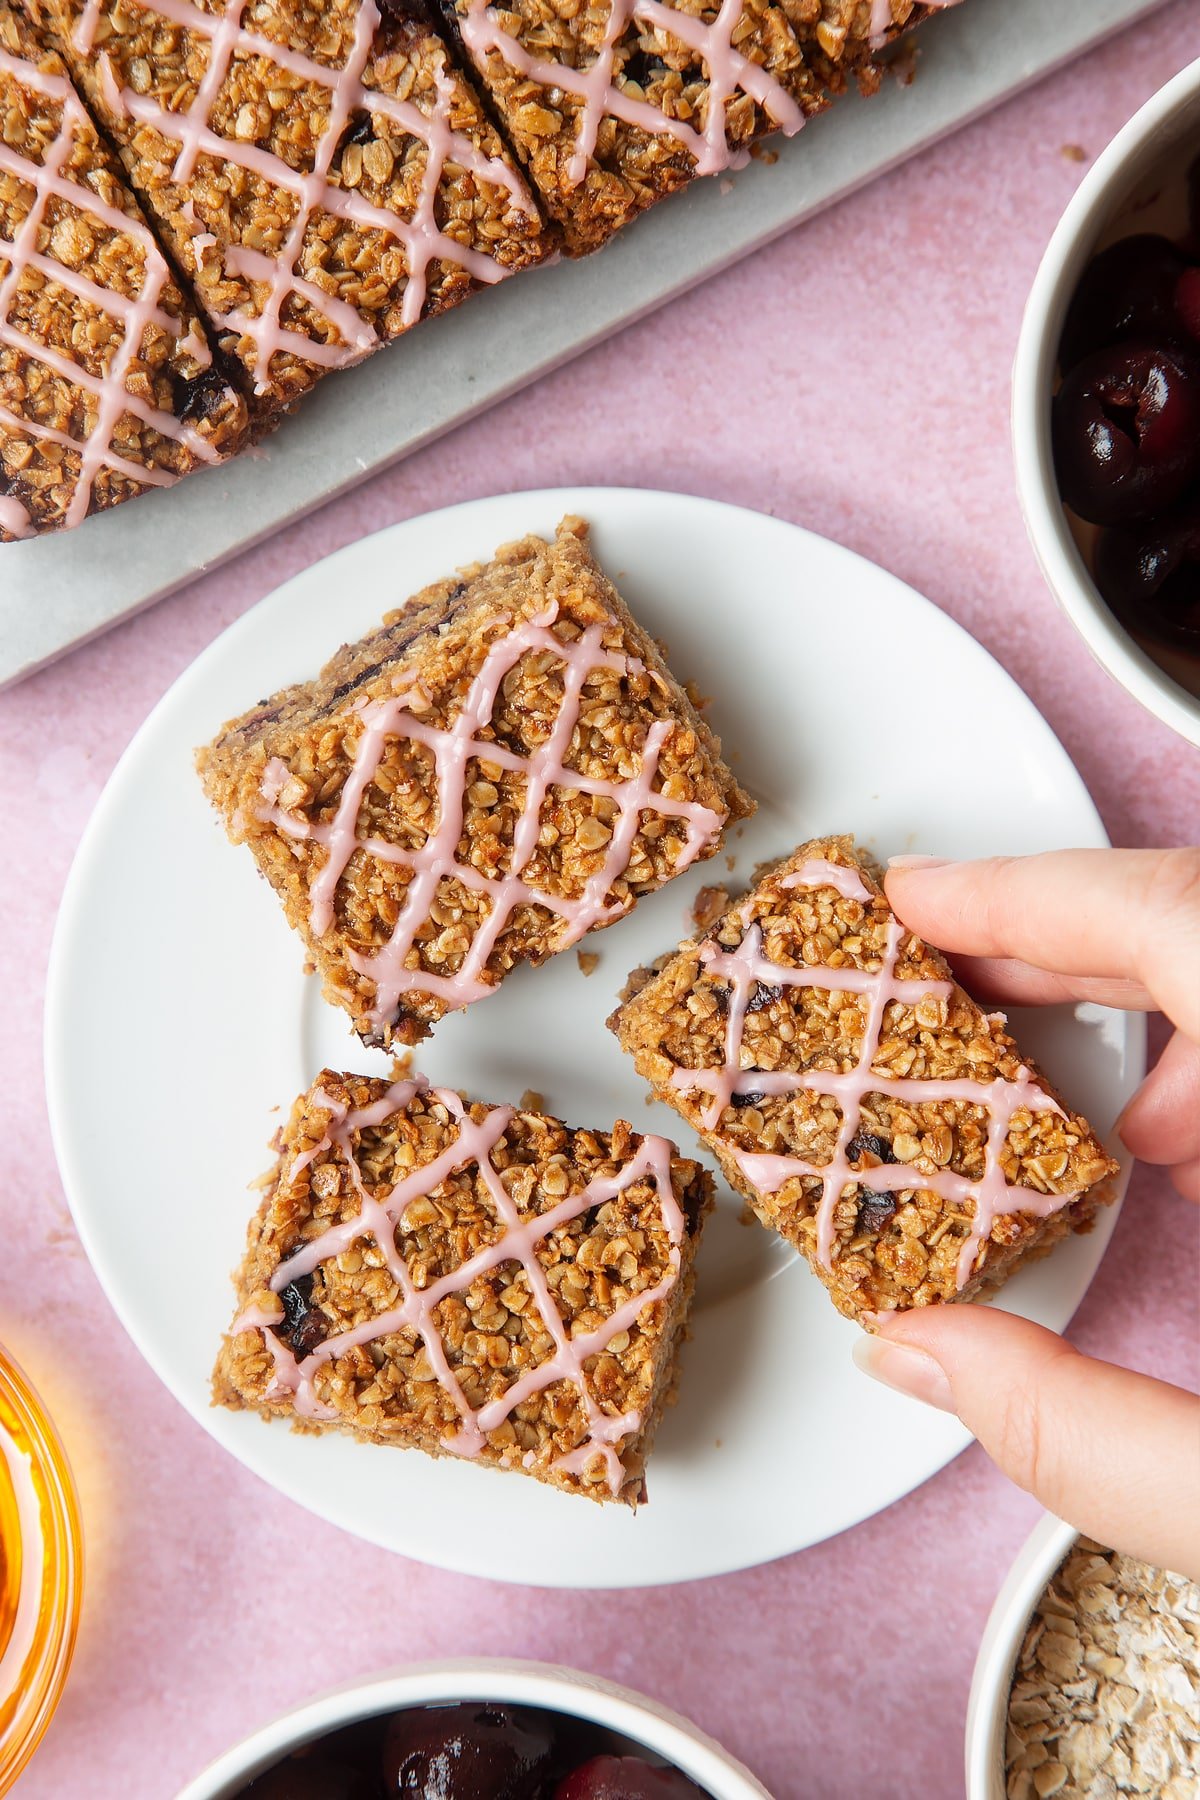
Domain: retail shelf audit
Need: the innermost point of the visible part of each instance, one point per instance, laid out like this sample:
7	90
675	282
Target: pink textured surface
861	366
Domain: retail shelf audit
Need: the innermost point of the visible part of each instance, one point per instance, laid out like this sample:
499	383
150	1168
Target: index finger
1118	914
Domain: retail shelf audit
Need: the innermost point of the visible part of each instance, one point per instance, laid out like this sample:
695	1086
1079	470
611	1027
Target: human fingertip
906	864
905	1369
1185	1178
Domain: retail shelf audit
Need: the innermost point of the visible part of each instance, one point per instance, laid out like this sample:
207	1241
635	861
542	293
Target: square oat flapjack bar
615	105
469	1280
107	384
505	765
323	174
865	1106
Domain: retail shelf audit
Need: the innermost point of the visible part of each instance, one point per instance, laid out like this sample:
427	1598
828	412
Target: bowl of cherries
1106	407
478	1730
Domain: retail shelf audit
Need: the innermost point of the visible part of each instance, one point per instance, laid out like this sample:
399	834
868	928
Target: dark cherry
198	398
471	1752
1128	291
1126	432
625	1778
763	995
877	1147
311	1778
642	68
359	131
1187	302
342	1766
875	1210
304	1325
1151	577
1193	184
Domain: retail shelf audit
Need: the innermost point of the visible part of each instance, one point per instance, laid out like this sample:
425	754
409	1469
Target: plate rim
56	1012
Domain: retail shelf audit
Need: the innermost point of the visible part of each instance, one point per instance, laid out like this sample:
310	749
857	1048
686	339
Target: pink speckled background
862	366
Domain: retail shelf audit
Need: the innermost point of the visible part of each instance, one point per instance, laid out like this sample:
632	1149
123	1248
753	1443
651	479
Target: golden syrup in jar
41	1569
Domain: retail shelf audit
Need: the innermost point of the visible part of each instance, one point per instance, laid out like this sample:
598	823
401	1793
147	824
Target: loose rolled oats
468	1280
1105	1698
865	1106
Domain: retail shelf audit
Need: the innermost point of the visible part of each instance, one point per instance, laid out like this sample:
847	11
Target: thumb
1114	1453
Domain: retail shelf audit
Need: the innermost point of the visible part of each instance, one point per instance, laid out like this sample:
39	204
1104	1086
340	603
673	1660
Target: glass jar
41	1570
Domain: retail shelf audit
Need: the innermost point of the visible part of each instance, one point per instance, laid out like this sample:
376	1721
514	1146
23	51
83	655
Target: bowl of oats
1087	1682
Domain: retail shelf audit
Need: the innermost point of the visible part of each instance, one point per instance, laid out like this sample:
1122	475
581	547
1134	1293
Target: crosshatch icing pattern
860	1100
97	345
506	766
326	173
325	178
514	1296
437	860
612	107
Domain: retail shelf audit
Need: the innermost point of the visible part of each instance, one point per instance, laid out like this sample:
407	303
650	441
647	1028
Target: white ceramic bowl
652	1726
987	1708
1168	126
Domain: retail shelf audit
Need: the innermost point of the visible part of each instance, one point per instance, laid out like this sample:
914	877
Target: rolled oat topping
1105	1698
747	973
614	104
537	772
490	1285
324	174
883	17
728	73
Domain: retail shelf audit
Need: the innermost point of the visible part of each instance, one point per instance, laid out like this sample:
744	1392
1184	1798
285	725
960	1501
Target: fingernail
909	1371
918	862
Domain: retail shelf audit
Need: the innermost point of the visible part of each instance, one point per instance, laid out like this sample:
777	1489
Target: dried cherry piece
875	1210
643	68
198	397
763	995
468	1752
303	1325
1126	432
625	1778
875	1146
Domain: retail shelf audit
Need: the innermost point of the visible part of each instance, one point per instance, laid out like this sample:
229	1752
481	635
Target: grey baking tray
63	590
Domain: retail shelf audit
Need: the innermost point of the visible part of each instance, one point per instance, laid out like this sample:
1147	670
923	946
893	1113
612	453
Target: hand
1115	1453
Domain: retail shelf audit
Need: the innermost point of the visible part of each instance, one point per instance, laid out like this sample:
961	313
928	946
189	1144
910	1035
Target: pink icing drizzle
135	315
516	1243
13	517
744	968
728	71
436	859
423	240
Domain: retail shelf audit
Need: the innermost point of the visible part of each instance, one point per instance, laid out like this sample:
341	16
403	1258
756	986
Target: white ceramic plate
847	703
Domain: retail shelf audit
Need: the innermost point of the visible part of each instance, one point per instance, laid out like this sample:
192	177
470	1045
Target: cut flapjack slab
614	105
507	764
471	1280
859	1099
107	383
